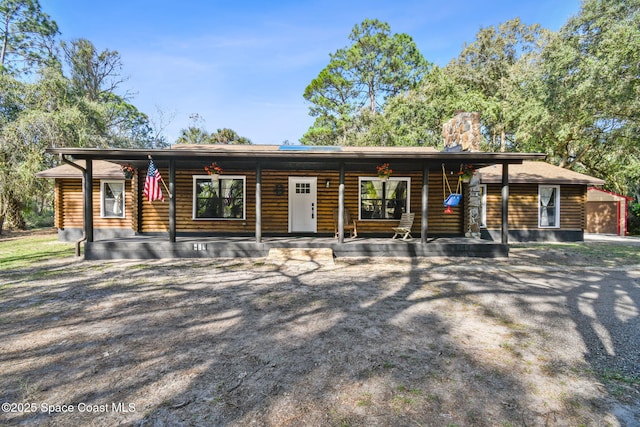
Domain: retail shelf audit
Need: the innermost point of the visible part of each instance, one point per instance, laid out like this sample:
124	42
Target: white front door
303	204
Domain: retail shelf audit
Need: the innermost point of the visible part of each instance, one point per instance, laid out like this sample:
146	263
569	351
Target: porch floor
159	247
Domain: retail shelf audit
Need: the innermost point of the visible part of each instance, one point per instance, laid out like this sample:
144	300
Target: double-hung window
221	198
549	206
111	199
383	199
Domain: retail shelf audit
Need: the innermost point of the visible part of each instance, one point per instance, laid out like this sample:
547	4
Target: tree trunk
5	41
14	216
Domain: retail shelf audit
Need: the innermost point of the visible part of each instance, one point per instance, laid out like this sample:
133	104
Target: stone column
474	206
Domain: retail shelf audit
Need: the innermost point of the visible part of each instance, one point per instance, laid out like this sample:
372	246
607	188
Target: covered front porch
263	172
158	247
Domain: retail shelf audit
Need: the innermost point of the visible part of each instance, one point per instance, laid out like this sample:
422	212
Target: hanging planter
466	172
214	171
384	172
128	171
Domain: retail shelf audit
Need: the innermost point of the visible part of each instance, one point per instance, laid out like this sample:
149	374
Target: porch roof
537	172
101	170
321	156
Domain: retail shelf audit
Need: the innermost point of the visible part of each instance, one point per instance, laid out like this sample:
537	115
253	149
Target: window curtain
546	194
116	190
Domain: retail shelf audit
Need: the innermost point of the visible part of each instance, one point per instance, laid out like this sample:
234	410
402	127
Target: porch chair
349	223
404	227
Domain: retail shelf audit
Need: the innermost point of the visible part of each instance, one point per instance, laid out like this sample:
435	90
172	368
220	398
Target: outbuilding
607	212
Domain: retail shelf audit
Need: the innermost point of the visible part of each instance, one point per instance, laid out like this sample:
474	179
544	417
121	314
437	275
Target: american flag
152	188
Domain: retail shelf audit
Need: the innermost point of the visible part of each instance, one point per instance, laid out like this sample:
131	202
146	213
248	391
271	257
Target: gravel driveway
546	337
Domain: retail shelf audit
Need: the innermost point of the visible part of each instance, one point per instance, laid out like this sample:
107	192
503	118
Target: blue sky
244	65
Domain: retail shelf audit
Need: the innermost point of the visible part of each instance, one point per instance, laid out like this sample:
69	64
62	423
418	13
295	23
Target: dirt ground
543	338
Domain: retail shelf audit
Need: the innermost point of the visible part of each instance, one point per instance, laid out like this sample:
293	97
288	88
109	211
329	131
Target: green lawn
17	252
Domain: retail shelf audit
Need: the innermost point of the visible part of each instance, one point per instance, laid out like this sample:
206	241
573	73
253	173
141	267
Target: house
546	203
267	194
607	212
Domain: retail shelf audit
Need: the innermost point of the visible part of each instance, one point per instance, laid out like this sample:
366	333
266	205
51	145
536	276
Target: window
303	188
549	206
112	199
384	200
222	198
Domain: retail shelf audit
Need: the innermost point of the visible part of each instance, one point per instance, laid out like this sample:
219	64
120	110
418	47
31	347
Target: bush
633	226
38	216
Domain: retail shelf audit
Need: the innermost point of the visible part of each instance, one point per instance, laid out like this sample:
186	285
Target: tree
587	111
198	135
228	136
193	135
490	65
27	36
361	77
416	117
47	109
95	75
44	114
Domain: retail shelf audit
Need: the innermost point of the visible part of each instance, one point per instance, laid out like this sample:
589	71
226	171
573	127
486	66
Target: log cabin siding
70	206
71	203
58	202
275	211
523	206
573	200
143	216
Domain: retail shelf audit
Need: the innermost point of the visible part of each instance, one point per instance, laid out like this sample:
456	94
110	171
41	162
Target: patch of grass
611	375
595	252
510	348
24	252
619	384
366	400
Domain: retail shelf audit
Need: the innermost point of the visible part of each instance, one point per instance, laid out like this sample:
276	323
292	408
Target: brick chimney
462	132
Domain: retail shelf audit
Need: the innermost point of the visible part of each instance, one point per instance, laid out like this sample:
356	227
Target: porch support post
88	200
172	200
505	203
341	206
259	203
425	204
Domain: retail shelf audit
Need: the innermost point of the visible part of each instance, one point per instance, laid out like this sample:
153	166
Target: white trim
222	177
556	202
102	195
313	180
375	178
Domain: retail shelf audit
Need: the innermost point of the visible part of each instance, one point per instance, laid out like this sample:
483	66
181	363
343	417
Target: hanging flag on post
152	189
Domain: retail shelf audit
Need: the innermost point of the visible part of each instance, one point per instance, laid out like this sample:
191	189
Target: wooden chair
404	227
349	223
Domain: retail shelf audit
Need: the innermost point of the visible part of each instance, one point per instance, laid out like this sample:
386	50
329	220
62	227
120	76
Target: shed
607	212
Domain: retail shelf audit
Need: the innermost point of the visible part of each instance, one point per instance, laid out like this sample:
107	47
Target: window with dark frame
383	200
222	198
